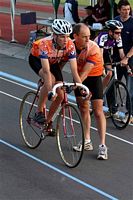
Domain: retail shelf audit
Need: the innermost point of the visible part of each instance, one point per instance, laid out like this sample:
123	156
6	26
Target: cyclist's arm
101	49
86	69
119	45
73	65
121	52
130	53
124	61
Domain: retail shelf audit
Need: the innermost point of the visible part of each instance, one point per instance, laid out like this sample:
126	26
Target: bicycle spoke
31	133
69	134
122	103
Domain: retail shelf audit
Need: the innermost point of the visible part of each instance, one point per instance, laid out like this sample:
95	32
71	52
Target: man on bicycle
47	57
107	41
90	68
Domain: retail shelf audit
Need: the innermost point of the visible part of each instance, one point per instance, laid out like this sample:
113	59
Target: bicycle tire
31	134
123	104
69	132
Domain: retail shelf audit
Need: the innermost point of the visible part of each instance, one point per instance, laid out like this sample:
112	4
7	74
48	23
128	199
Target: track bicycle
120	107
69	128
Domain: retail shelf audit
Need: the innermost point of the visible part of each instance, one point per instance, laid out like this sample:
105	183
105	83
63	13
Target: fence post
56	6
12	10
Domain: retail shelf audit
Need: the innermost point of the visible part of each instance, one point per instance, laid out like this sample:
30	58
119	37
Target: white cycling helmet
113	24
61	26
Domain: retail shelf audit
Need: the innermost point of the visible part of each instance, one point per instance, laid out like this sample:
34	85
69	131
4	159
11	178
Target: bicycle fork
67	117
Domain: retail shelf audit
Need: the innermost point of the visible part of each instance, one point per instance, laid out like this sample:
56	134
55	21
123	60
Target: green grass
131	2
84	2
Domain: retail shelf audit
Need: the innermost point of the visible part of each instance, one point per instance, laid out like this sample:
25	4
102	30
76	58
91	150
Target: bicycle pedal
34	123
50	133
43	136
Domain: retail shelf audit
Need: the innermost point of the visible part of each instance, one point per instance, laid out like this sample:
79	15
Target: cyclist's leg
97	105
55	104
101	126
57	77
107	59
86	120
110	96
43	91
84	110
121	71
100	118
36	65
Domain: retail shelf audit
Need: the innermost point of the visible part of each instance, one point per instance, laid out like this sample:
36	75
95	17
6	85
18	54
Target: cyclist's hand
51	97
84	94
54	97
124	62
130	73
104	73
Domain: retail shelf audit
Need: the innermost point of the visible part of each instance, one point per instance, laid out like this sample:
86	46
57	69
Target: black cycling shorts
36	65
94	83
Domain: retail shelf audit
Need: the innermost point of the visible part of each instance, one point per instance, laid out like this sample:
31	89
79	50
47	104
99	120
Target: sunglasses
117	32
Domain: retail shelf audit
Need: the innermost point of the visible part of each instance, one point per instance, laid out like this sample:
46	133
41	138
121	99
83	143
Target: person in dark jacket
126	19
101	12
88	20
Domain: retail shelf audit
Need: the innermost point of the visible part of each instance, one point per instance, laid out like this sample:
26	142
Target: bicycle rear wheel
31	134
69	132
123	105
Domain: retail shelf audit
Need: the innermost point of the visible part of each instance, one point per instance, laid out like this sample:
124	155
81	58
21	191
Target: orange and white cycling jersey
46	49
91	54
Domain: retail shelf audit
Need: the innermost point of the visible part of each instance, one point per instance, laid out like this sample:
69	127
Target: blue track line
26	82
34	85
59	171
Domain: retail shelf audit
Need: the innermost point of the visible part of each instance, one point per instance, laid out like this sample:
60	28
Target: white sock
87	141
102	145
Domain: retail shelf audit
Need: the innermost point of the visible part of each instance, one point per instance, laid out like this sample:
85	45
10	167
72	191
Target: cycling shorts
36	65
94	83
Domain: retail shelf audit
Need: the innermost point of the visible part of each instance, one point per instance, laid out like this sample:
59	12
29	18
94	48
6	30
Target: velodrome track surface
40	174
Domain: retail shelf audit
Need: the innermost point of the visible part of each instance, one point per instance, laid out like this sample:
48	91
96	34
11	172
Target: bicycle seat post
115	72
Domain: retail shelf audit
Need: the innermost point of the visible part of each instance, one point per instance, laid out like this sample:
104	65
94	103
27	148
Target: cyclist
90	68
107	41
47	57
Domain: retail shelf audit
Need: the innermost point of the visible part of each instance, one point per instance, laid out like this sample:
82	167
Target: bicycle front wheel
30	132
123	106
69	132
